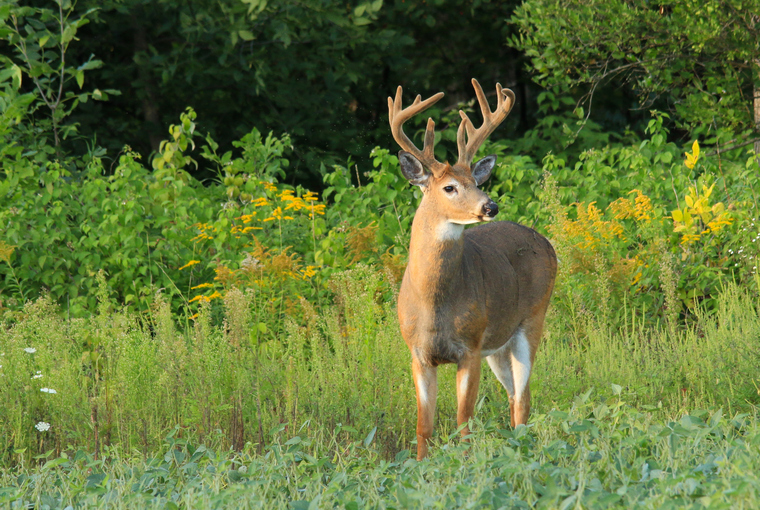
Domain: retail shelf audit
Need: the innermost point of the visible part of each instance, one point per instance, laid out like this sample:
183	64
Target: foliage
315	69
646	237
68	220
700	57
41	40
595	453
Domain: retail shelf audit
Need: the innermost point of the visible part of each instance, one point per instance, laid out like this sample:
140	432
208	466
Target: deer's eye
448	189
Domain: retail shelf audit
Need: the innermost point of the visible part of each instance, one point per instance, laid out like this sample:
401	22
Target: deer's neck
435	255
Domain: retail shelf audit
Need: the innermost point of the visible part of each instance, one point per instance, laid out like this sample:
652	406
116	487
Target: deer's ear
412	169
481	171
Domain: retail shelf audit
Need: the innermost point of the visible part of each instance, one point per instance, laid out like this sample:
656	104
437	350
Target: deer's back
504	243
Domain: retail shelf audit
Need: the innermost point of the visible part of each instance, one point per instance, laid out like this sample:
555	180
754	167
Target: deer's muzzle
490	209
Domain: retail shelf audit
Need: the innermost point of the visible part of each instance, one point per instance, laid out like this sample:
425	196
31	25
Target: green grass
326	413
594	453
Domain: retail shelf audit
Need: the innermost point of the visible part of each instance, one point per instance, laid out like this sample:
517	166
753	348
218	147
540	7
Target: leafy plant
41	38
698	57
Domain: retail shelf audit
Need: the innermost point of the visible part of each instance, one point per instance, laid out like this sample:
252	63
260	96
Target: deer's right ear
412	169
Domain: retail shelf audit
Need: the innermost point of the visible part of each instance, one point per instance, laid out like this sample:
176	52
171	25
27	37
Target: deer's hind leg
512	365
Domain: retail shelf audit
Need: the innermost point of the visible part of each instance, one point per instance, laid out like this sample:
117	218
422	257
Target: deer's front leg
468	380
426	384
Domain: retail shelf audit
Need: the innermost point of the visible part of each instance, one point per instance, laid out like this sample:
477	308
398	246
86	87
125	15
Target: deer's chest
441	332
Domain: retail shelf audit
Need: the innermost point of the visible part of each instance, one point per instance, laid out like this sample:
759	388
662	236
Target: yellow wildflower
317	210
201	297
277	215
191	263
643	206
201	286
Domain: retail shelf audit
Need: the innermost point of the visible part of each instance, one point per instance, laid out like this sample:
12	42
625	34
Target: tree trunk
756	91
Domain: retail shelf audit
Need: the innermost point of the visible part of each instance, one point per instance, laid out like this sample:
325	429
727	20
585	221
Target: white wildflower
251	263
30	350
48	390
37	375
42	426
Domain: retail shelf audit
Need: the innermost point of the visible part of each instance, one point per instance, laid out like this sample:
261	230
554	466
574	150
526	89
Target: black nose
491	209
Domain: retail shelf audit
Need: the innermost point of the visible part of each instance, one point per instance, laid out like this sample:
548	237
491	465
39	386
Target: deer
467	294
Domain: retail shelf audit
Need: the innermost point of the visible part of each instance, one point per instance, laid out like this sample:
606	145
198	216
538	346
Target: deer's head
451	190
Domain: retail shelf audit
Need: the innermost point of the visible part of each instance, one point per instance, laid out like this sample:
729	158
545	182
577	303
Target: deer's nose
490	209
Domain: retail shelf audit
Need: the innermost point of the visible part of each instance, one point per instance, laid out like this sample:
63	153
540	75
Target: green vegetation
701	57
214	324
598	453
328	416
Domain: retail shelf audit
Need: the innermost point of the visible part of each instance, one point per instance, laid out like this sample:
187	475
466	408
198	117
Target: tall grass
123	382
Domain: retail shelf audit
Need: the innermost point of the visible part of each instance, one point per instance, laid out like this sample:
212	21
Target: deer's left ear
481	171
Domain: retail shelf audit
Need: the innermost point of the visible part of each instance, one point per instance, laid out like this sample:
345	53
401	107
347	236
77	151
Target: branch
63	59
726	149
22	45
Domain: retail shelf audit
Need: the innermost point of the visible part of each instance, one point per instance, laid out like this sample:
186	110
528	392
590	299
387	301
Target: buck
468	294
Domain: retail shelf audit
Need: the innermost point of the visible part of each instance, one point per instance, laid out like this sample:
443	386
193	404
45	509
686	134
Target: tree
700	58
316	69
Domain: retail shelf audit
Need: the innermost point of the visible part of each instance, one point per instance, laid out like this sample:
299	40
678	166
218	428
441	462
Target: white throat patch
448	231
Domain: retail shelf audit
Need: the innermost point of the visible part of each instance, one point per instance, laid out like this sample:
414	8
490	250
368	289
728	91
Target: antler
398	116
491	120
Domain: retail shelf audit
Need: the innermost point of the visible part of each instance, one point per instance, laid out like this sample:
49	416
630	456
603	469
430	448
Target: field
642	416
594	454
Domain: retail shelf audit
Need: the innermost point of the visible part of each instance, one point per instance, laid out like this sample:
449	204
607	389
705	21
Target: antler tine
474	138
398	115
